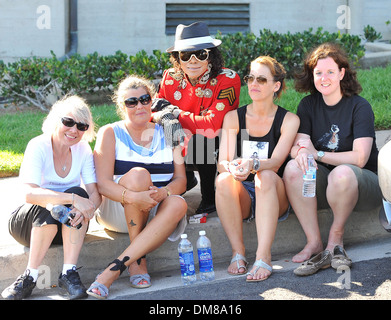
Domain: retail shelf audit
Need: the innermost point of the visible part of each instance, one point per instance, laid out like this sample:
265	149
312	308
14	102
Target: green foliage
370	34
34	79
289	49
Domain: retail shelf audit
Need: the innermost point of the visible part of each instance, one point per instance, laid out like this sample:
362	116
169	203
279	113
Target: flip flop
236	259
259	264
140	281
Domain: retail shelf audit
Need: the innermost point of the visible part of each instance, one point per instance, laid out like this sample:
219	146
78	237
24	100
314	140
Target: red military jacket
205	104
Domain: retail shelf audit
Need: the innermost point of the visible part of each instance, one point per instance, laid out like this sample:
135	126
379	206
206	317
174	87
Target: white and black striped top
157	159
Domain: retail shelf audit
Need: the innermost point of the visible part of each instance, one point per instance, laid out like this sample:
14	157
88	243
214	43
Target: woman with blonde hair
54	165
141	179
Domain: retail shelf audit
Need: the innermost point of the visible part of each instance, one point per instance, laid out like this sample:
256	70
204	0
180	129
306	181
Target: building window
220	17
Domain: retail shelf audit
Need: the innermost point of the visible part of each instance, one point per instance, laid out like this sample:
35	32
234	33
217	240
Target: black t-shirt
334	128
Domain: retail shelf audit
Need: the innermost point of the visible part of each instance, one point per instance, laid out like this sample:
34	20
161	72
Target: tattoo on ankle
139	260
132	224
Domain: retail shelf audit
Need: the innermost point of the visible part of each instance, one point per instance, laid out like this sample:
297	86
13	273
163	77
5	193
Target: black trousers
201	156
27	216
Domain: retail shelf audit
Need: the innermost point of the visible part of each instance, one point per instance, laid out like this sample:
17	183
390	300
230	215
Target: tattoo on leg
132	224
139	260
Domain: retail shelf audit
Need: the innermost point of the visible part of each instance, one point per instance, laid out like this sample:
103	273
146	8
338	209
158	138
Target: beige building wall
106	26
32	28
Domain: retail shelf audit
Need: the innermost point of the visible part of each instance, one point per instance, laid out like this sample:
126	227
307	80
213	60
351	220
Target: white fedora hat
193	37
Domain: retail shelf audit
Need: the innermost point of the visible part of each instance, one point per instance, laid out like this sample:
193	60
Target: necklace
64	166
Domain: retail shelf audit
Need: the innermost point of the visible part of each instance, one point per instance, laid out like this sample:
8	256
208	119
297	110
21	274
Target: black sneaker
21	288
72	284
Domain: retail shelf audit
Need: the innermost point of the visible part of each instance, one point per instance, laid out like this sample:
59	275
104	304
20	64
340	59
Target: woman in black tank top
254	148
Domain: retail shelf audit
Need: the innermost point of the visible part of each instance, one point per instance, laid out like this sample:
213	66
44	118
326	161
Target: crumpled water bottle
62	214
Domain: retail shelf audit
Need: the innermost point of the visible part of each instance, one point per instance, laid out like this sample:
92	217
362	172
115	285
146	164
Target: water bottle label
60	213
186	261
205	259
310	174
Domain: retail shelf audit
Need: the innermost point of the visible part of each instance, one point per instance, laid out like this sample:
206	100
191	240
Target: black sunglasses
260	79
200	55
69	122
133	101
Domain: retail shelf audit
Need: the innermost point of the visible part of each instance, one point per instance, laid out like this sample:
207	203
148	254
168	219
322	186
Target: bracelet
299	150
123	194
73	199
168	191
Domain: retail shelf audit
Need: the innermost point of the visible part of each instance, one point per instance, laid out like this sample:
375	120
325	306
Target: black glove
173	131
159	104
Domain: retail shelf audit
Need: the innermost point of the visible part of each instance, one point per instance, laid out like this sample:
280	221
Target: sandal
140	281
236	259
340	258
101	291
259	264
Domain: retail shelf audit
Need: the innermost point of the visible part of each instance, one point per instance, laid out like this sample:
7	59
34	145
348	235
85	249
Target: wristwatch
320	155
256	165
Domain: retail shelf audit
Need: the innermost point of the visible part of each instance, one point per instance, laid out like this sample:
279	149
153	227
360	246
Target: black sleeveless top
269	141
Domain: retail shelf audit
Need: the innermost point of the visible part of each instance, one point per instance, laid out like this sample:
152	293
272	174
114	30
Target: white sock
66	267
33	273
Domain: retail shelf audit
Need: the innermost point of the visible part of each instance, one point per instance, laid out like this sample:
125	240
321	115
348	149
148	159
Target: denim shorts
370	195
250	188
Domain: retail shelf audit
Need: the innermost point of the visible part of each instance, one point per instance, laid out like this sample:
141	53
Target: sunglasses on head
200	55
133	101
69	122
260	79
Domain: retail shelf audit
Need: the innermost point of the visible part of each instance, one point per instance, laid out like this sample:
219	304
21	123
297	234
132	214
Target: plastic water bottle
61	214
205	257
309	179
186	260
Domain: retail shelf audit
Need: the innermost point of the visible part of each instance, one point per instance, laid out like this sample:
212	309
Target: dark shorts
370	195
27	216
250	188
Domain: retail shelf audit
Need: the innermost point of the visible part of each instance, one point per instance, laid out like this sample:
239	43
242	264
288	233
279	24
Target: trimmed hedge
34	79
289	49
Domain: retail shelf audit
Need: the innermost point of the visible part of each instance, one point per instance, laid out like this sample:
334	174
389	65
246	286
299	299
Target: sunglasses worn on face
260	79
200	55
69	122
133	101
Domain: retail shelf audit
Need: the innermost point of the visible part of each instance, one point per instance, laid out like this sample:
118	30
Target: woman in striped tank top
140	178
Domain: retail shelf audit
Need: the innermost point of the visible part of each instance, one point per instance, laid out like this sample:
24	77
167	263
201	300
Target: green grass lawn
18	128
